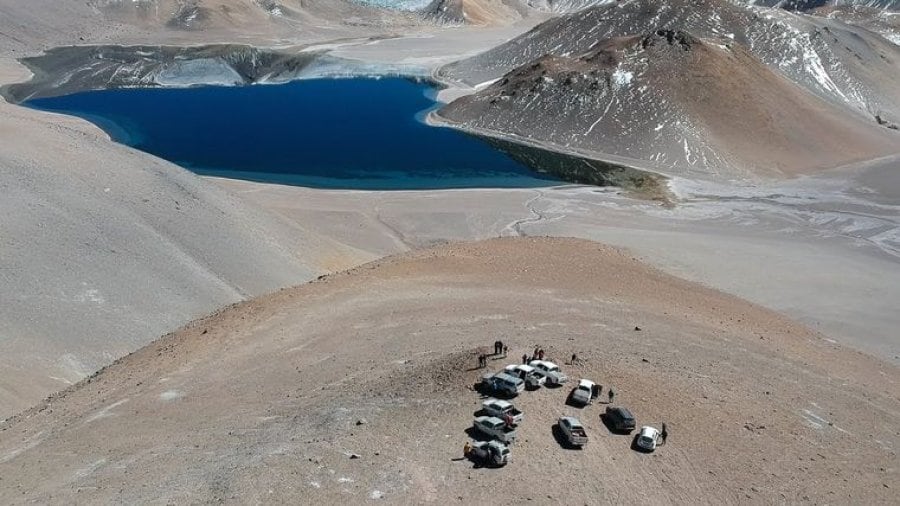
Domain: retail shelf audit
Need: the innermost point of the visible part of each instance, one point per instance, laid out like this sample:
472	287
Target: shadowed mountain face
803	5
70	69
678	103
831	59
565	5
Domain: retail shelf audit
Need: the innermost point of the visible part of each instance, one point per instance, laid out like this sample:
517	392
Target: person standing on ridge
611	395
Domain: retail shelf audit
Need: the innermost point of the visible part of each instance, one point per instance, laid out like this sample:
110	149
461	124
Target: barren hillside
477	12
359	386
678	103
42	24
105	248
841	63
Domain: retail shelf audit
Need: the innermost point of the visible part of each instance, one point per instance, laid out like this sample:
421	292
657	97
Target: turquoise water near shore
360	133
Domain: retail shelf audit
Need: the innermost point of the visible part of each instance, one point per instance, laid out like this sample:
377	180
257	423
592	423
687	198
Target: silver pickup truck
495	428
503	410
573	431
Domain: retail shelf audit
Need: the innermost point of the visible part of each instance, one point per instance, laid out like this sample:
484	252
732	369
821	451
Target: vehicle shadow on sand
477	435
485	392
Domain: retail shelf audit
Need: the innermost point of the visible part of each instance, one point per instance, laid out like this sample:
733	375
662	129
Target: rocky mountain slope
476	12
680	103
883	22
209	14
42	24
806	5
833	60
359	387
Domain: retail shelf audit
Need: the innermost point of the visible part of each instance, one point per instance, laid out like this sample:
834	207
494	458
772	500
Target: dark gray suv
619	419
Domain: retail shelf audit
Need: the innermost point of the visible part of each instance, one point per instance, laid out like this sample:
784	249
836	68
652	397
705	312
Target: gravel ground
270	400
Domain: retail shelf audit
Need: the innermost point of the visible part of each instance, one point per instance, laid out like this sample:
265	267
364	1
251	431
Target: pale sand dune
260	402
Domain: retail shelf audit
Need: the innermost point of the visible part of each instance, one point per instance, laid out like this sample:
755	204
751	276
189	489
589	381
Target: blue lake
326	133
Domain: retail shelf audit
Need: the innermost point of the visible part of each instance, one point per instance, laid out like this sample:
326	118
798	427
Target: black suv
618	420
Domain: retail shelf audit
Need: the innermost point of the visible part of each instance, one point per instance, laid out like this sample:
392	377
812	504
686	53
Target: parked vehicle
573	431
502	383
585	392
503	410
495	428
550	371
648	438
492	453
619	419
526	373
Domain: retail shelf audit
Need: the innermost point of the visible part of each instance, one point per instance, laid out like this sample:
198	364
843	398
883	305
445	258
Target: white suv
550	371
648	438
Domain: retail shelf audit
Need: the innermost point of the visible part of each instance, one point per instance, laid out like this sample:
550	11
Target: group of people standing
499	349
537	355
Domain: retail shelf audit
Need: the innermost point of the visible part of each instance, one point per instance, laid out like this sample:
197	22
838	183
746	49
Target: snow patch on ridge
207	71
622	78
